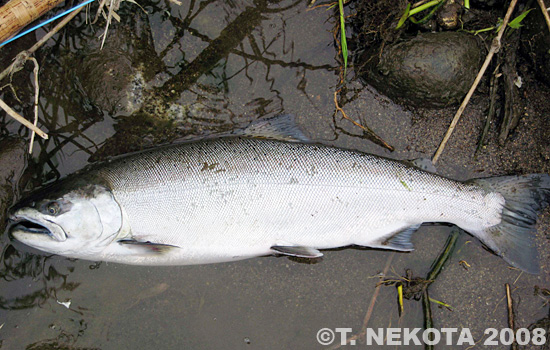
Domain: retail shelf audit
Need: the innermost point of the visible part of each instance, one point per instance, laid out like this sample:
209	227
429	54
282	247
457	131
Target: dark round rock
429	70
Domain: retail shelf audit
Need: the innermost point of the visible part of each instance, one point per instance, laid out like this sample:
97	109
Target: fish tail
513	238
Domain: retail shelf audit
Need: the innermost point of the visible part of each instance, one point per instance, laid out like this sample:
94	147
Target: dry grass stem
112	4
510	314
113	14
520	273
495	46
22	57
365	128
22	120
368	315
544	13
36	92
99	11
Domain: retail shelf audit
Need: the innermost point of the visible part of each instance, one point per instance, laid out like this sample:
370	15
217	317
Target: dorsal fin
281	127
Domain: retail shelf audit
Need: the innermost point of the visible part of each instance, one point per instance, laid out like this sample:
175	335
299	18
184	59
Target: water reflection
64	340
151	86
42	275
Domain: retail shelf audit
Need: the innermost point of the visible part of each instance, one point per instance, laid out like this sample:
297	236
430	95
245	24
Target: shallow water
211	66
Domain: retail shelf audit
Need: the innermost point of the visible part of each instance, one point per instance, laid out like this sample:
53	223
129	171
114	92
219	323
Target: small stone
449	14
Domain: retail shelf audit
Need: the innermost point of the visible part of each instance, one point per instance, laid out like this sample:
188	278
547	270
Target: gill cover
75	224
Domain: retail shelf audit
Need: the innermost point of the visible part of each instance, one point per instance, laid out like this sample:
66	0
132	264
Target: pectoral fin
301	252
401	240
145	247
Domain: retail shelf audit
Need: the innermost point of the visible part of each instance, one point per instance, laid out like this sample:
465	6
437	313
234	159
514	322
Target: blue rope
46	22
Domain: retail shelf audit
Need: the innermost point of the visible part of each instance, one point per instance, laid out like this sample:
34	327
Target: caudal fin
513	238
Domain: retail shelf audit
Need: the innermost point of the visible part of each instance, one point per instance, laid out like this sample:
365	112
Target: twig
111	10
17	65
24	55
36	92
365	128
512	100
339	53
22	120
511	315
363	331
428	321
99	11
375	295
544	13
495	46
521	273
320	5
493	89
328	4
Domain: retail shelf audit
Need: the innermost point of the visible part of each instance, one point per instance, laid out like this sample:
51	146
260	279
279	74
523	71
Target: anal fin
297	251
401	240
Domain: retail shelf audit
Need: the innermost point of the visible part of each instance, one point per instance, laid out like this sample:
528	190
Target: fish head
73	219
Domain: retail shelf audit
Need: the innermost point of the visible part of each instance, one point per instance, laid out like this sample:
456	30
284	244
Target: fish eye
53	208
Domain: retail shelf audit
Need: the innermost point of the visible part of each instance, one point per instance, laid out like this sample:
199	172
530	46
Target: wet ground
210	66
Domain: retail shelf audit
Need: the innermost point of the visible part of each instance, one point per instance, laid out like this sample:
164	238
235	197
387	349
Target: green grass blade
438	4
404	17
516	22
421	8
343	36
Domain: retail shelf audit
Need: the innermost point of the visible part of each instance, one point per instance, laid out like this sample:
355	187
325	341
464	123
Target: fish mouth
28	226
24	228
